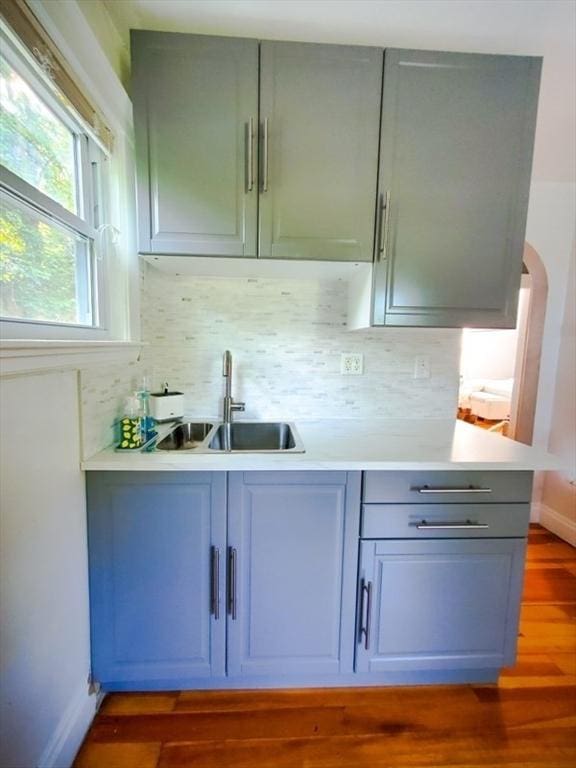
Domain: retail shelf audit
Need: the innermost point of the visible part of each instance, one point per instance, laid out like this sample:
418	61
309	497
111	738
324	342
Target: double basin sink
240	436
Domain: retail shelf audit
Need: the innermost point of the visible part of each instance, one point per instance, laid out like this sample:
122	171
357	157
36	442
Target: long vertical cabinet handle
214	582
265	134
365	588
385	225
250	156
232	584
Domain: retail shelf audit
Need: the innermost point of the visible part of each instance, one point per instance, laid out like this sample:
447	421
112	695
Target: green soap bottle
131	424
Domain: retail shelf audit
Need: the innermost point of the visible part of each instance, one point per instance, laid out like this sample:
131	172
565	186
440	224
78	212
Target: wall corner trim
559	524
71	730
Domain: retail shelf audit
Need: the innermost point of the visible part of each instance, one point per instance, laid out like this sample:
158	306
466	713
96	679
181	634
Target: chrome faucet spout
229	406
227	364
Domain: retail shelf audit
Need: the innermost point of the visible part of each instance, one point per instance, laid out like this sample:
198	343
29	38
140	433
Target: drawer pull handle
468	524
214	581
469	489
365	588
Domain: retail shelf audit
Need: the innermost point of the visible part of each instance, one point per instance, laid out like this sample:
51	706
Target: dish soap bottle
147	423
131	424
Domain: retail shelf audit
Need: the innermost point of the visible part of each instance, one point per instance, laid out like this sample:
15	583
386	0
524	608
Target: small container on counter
166	405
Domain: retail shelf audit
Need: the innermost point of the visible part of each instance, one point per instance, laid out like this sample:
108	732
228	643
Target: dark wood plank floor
528	720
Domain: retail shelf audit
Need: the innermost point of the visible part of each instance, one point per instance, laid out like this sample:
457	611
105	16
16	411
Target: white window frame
90	221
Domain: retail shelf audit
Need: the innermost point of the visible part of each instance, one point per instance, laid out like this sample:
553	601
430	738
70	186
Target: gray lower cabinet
293	536
209	579
455	162
152	537
250	579
440	575
448	604
195	120
319	116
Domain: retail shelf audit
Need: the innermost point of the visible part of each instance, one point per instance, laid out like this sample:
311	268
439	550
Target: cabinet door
294	536
456	154
433	605
319	122
194	100
150	545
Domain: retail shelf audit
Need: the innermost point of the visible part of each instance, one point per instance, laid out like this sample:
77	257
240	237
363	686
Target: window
51	207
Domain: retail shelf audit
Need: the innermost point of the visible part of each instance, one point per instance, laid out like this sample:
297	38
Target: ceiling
496	26
527	27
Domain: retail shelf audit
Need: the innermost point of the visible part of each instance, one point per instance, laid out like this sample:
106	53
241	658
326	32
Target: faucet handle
237	406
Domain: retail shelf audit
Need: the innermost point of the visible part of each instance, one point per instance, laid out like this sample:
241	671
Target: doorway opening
499	369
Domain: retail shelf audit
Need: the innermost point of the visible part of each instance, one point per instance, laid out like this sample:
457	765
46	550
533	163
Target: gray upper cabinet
195	98
207	158
319	121
300	151
456	151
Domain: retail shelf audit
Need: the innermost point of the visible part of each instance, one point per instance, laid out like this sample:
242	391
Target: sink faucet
229	405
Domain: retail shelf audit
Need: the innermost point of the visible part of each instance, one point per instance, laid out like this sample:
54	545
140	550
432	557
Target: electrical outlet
422	367
351	364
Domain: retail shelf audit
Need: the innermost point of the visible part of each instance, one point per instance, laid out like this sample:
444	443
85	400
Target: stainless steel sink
256	437
188	436
240	436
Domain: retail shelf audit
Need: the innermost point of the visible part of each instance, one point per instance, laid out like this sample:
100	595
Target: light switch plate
351	364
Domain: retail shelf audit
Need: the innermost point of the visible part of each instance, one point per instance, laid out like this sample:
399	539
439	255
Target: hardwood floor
528	720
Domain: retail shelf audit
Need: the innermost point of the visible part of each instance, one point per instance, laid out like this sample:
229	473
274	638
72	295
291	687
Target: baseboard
558	524
535	512
69	734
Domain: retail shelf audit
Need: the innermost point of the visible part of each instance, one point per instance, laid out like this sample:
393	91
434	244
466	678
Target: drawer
449	487
444	521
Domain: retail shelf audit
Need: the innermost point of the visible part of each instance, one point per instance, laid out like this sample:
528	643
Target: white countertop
353	444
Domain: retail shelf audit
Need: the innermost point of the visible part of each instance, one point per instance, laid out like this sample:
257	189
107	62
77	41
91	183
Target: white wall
550	230
488	354
44	632
558	507
45	707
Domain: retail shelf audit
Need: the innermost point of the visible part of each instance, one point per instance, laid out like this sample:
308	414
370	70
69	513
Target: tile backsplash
102	394
286	338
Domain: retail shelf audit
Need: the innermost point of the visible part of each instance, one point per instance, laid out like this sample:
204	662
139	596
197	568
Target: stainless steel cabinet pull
214	582
469	489
425	526
232	582
250	156
365	588
385	223
265	156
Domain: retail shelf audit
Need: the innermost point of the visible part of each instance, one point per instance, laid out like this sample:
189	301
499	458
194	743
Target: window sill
19	356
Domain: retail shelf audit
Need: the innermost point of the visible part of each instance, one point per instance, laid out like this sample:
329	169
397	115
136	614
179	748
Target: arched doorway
500	368
529	349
